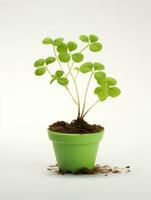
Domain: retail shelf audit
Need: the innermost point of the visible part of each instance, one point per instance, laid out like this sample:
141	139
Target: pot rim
75	134
66	138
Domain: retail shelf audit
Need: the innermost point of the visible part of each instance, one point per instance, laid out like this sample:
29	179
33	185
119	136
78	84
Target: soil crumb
76	126
104	170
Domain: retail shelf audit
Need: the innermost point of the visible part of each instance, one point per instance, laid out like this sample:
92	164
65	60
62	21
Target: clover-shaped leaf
77	57
59	73
63	81
62	48
50	60
114	91
72	45
86	67
101	92
95	47
64	57
102	82
103	95
84	38
47	41
111	81
97	90
40	62
58	41
98	66
93	38
99	75
40	71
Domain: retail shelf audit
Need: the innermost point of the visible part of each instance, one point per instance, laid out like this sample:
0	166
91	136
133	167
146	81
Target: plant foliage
65	56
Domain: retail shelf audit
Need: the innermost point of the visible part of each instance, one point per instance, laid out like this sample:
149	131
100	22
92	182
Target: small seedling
71	63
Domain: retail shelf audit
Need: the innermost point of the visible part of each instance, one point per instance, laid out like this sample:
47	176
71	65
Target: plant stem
74	80
77	75
70	68
76	88
90	108
48	71
84	48
73	61
71	95
64	74
57	58
86	92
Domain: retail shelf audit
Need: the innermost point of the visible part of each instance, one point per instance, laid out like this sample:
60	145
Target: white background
28	103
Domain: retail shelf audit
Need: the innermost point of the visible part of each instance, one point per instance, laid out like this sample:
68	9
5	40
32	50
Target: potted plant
76	143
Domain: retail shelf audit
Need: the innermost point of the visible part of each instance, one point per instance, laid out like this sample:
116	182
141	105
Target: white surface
28	103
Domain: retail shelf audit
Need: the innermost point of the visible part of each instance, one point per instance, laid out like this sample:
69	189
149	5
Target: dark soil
105	170
76	126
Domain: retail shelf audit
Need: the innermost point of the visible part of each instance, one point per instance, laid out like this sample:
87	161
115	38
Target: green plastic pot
75	151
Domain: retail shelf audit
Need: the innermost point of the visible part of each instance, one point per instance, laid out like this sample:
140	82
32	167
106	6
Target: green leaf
62	48
40	62
97	90
98	66
102	82
72	45
63	81
114	91
84	38
47	41
59	73
77	57
101	78
50	60
95	47
111	81
93	38
99	75
64	57
86	67
40	71
103	94
58	41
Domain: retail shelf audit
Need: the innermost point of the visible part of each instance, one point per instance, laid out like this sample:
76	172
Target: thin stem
71	95
73	61
90	108
76	88
70	68
57	58
64	74
77	75
86	92
48	71
84	48
66	89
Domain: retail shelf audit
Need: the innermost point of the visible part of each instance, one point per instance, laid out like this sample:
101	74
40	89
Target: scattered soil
105	170
76	126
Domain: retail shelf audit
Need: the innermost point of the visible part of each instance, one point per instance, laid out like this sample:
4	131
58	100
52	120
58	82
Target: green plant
66	54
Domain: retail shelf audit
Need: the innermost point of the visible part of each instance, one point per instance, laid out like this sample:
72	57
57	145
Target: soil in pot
76	126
